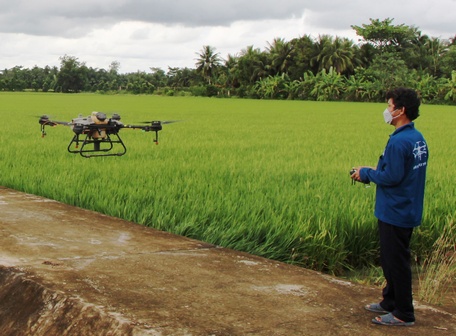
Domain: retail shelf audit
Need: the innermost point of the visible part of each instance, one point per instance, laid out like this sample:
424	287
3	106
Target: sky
145	34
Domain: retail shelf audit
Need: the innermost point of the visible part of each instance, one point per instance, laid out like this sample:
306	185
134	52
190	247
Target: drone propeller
161	122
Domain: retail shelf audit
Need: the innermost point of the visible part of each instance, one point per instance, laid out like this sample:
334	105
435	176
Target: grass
437	275
265	177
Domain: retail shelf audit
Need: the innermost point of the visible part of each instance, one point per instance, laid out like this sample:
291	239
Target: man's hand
356	175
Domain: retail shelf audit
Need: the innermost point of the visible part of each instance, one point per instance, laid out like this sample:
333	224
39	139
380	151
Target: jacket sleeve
390	168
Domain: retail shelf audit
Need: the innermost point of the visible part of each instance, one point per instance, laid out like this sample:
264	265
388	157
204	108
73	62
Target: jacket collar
400	129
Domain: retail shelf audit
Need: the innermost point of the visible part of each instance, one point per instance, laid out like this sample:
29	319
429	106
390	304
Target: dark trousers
395	261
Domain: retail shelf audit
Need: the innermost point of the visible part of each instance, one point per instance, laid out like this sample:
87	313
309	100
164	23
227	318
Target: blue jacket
400	178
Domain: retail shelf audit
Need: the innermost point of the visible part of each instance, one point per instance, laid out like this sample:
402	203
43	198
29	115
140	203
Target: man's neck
401	121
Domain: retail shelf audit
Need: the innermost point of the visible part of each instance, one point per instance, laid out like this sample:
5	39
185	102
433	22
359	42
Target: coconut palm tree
303	48
280	56
227	78
208	62
251	66
337	53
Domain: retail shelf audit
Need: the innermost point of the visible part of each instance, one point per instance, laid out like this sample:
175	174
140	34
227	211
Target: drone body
97	135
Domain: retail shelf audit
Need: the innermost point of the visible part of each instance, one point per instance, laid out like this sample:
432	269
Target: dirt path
69	271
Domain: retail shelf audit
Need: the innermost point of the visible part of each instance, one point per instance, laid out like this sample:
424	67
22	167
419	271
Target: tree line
307	68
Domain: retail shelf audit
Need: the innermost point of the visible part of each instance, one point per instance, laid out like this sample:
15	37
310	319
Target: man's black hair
408	98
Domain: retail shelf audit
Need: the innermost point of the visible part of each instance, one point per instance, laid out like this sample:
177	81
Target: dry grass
437	277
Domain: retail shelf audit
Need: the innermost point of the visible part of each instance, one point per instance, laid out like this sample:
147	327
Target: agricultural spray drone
97	135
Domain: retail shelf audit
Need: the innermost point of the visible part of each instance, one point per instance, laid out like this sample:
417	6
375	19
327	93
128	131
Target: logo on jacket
420	150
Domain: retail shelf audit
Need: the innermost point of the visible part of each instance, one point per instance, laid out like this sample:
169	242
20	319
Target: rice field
266	177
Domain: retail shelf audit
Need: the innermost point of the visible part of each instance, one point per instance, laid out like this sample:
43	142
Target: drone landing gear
101	146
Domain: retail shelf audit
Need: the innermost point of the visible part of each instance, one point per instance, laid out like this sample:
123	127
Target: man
400	178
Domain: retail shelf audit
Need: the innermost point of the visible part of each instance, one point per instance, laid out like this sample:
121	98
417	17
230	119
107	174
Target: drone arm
155	126
44	121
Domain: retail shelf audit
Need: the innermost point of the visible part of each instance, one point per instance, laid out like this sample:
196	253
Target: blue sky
141	34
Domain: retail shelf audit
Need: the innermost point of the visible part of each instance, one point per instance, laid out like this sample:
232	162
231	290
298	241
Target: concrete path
69	271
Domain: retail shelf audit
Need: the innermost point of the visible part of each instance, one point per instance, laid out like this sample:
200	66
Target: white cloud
159	33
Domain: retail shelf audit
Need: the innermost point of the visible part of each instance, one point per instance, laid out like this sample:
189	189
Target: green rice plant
265	177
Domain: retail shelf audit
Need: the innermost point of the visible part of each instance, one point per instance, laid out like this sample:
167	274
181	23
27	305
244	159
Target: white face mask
387	116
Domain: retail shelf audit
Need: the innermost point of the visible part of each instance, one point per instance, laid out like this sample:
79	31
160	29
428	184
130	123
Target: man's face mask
388	116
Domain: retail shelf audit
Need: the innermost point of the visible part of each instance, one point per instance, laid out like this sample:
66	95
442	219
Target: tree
72	75
357	88
114	67
208	62
366	54
140	82
427	87
329	85
449	88
251	66
337	53
227	78
50	79
181	77
280	56
448	61
428	55
15	79
159	78
303	48
388	70
294	89
272	87
385	36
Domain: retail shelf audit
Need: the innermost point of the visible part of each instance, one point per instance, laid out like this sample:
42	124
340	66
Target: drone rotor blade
170	121
161	122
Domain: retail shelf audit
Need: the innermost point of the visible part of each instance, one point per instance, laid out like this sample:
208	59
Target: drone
97	135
